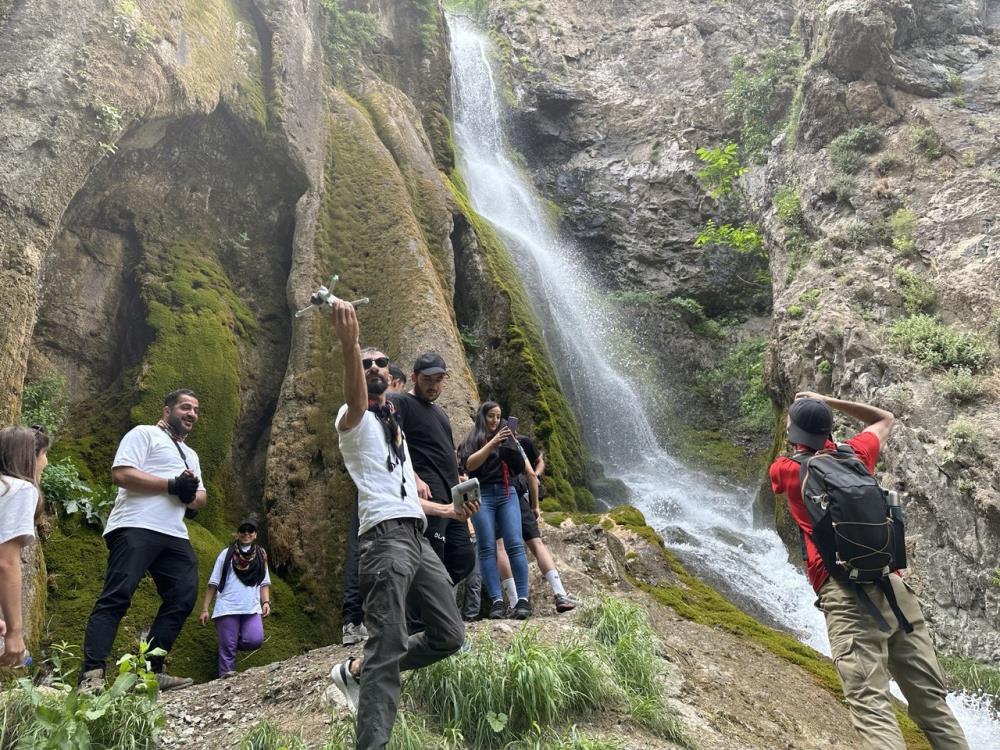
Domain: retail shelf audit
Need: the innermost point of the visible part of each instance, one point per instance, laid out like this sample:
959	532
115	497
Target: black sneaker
522	610
497	610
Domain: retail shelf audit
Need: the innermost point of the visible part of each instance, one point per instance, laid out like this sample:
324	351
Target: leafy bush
125	716
635	299
861	234
927	142
721	171
789	208
693	314
740	377
755	98
810	297
902	225
44	402
795	311
847	150
933	343
348	32
842	187
918	293
960	385
886	163
62	486
963	437
746	240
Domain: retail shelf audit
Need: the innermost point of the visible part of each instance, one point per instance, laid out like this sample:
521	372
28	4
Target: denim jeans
500	509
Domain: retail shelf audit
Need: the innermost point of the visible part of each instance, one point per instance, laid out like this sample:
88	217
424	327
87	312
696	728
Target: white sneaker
351	633
347	683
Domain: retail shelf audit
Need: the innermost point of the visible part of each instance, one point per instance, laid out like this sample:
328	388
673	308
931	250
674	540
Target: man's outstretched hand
345	322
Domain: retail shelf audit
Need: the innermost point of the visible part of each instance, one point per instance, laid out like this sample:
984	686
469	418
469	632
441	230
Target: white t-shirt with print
380	496
150	449
18	500
236	598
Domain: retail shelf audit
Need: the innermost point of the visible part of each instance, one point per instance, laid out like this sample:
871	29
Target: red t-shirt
785	481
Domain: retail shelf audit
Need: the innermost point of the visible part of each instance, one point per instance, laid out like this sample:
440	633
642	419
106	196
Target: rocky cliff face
880	240
175	179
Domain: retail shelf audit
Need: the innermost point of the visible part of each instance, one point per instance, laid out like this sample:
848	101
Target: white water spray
708	524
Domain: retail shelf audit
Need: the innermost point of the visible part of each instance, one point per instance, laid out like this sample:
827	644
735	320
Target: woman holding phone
490	454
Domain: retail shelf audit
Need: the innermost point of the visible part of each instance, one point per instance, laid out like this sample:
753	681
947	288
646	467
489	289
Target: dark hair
18	457
396	372
42	440
174	396
476	438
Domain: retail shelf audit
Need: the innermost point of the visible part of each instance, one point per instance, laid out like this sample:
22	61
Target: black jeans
399	568
451	543
353	610
171	562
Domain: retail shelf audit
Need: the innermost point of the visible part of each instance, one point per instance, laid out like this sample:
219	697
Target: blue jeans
500	509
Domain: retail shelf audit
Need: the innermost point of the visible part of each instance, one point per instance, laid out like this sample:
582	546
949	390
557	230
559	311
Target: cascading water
708	524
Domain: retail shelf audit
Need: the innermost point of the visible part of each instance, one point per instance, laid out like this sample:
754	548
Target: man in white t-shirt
397	562
159	478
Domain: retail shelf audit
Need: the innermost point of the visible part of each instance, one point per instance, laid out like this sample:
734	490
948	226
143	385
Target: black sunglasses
246	529
39	428
366	363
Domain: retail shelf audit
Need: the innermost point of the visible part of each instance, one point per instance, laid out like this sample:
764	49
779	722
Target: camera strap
176	443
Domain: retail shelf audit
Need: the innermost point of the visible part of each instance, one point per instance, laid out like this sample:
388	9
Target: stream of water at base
706	521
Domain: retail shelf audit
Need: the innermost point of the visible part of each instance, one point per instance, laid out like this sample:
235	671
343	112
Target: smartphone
512	424
464	492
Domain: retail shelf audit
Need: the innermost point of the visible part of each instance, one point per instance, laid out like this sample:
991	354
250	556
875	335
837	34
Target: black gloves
184	485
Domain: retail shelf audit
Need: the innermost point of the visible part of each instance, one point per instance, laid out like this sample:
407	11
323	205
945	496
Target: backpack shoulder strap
226	565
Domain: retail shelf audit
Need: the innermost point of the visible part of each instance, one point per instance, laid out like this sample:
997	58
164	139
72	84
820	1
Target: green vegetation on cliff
528	365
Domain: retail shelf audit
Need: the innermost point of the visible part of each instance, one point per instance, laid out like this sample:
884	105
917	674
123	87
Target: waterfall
706	522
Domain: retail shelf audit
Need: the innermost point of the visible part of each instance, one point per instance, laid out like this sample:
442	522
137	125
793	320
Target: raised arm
345	325
878	421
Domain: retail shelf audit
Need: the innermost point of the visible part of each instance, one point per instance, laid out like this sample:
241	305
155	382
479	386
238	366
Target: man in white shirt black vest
158	479
397	562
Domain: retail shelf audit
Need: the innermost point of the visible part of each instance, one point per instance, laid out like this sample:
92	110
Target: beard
377	386
178	426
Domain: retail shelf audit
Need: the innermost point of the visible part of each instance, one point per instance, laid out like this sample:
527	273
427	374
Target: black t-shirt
490	471
432	448
531	453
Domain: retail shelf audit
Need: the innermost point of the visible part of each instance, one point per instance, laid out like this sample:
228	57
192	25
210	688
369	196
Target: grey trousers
865	657
398	567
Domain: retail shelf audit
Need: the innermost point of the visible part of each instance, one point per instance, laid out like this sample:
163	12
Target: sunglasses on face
366	363
247	529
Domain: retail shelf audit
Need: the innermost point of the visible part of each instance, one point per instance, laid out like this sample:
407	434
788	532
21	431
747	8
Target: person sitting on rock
241	585
23	456
491	455
528	483
397	562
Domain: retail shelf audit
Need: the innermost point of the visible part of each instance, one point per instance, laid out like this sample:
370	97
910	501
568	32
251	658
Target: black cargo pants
399	568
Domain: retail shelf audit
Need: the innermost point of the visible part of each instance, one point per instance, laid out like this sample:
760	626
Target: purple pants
237	632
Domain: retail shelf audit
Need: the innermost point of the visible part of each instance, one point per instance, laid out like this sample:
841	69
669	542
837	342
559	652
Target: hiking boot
522	610
351	633
565	602
169	682
497	610
91	682
347	683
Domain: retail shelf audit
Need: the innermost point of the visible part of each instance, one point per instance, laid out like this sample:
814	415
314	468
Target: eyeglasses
246	529
39	428
366	363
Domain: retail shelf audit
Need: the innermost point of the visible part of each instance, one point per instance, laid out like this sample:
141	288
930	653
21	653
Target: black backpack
855	530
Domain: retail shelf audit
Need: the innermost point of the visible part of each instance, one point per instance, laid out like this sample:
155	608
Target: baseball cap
430	363
811	422
248	521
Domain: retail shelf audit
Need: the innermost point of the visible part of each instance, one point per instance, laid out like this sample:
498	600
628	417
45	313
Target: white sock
510	589
555	582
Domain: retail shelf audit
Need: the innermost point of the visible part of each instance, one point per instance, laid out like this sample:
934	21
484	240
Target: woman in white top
243	583
23	455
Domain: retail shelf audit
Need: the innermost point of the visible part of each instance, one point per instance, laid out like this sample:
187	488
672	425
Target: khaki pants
865	658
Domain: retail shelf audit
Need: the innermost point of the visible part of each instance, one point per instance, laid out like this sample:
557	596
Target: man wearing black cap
864	655
428	431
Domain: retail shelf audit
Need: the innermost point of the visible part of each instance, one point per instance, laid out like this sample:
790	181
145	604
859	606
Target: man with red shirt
865	656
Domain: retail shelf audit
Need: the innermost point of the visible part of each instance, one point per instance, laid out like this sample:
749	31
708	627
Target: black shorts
529	524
